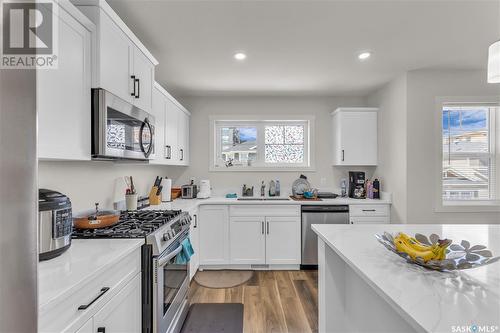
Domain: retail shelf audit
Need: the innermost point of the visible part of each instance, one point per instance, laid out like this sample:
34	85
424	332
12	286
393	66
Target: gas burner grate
132	224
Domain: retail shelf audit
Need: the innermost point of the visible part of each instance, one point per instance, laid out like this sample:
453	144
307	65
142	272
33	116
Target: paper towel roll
166	193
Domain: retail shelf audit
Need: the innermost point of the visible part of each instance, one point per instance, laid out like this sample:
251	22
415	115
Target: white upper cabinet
172	129
354	136
123	65
63	94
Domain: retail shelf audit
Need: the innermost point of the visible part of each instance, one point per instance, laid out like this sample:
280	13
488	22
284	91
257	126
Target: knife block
153	198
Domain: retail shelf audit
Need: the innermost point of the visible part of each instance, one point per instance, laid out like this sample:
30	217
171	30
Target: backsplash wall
94	181
325	176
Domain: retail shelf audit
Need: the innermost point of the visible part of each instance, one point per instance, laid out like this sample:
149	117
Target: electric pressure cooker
55	224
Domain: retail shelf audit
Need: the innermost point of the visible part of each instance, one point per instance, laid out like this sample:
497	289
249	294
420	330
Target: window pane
294	134
238	144
275	134
284	154
467	161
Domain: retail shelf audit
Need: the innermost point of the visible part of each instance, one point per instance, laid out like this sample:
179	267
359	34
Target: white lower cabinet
247	240
194	235
283	240
370	214
214	235
123	313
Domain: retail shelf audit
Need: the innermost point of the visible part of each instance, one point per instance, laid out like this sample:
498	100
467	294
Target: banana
415	249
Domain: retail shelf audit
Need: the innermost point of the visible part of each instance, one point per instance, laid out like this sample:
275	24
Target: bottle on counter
272	188
263	189
343	188
278	189
376	189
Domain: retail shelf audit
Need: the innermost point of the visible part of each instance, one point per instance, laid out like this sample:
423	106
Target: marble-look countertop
434	301
190	204
85	259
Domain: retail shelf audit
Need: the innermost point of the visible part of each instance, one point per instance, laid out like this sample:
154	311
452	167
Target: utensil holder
131	201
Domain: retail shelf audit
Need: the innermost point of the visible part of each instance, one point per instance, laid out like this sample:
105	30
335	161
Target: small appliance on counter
55	223
357	185
189	191
166	194
204	189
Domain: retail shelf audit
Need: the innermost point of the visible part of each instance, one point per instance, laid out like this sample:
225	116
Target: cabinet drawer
369	220
64	316
264	210
368	210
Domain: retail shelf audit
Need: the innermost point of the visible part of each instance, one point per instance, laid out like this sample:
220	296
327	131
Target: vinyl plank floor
274	301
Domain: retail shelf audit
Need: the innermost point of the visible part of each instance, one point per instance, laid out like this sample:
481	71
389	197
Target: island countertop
428	300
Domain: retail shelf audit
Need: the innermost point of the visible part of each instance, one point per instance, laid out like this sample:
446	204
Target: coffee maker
357	185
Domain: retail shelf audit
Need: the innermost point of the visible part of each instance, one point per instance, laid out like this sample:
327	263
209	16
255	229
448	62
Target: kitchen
186	172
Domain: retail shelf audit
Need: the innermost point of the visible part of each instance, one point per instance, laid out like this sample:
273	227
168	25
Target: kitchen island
365	288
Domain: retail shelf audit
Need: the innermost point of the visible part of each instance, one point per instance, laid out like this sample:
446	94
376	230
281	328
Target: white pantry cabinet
63	94
122	64
354	136
214	235
194	235
172	129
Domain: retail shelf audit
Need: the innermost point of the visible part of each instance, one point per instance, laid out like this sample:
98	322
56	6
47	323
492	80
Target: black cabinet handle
133	82
102	292
101	330
262	227
182	154
136	95
342	155
195	221
268	228
168	153
369	210
138	88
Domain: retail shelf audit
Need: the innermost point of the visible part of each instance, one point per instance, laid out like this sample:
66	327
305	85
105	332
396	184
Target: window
260	144
469	161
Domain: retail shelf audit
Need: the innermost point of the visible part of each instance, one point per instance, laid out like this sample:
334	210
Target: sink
262	199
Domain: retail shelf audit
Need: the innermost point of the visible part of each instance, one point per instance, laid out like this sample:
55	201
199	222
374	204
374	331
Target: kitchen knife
158	192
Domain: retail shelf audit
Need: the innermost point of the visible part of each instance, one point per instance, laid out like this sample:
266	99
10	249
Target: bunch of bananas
414	248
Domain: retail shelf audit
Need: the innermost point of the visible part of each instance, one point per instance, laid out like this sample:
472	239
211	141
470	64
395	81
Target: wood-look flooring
274	301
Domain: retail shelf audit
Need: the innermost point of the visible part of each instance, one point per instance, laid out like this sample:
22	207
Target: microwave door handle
163	260
141	143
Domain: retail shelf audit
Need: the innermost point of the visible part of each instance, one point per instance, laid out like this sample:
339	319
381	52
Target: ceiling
306	47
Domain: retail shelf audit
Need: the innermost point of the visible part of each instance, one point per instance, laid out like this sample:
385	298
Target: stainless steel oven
170	288
120	130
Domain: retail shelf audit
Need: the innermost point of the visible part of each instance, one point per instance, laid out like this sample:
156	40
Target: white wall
88	182
424	86
392	141
325	175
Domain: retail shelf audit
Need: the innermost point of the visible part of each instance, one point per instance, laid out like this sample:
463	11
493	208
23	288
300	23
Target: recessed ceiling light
364	55
240	56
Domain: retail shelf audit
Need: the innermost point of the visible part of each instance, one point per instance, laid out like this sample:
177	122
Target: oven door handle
163	260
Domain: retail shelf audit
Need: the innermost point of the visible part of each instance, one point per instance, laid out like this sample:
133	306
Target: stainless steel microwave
120	130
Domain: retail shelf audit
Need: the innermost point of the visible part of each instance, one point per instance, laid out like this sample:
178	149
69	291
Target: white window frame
260	122
494	128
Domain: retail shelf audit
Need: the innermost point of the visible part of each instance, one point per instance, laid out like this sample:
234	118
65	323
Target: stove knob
166	236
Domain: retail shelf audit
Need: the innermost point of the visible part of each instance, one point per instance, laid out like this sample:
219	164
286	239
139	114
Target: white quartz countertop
85	259
430	300
190	204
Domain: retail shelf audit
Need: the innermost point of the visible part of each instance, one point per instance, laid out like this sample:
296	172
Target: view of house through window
261	144
468	172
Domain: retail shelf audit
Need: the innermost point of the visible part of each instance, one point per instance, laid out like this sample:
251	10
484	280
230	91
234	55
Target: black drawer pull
369	210
102	292
101	330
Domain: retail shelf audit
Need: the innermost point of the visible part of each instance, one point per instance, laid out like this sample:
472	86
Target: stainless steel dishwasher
317	214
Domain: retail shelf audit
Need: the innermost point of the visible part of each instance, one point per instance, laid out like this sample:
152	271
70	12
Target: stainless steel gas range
165	282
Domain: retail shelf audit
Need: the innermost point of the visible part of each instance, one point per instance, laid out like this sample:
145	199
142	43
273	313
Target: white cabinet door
247	240
159	111
143	71
283	240
214	235
115	59
194	235
369	220
183	137
171	130
88	327
63	95
355	137
123	313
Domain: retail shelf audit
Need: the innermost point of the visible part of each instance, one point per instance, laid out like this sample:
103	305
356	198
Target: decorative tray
454	256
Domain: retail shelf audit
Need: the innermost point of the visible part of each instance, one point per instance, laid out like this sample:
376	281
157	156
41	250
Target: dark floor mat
214	318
